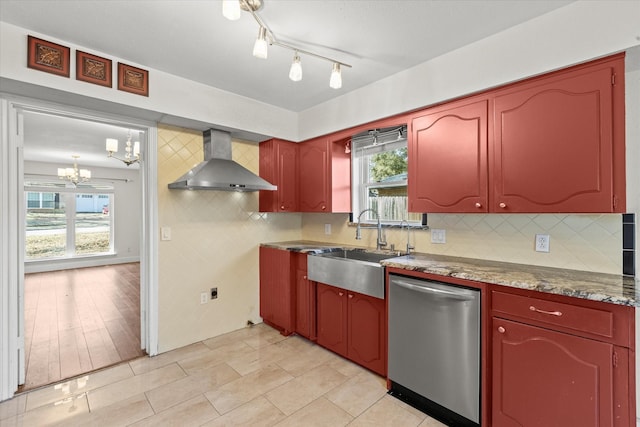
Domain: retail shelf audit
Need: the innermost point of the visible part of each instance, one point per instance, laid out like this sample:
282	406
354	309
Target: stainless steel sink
351	269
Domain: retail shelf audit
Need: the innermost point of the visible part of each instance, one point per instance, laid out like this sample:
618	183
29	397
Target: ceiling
192	39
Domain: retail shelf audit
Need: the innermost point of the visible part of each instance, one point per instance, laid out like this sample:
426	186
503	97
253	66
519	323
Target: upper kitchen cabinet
279	166
559	142
448	158
325	176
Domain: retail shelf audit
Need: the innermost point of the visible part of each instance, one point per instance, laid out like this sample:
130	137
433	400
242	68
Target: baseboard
68	264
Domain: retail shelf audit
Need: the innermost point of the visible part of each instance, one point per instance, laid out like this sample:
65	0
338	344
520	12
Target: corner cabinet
277	296
325	176
353	325
550	144
279	166
560	363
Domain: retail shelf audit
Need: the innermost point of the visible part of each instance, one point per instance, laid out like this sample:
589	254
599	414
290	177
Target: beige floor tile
121	413
186	388
255	413
346	367
112	393
78	386
390	412
360	392
220	354
319	413
430	422
247	388
304	389
256	336
193	412
146	364
303	357
13	407
58	413
259	358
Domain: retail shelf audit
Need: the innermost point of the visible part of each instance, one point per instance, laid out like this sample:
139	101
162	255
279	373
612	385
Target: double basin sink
356	270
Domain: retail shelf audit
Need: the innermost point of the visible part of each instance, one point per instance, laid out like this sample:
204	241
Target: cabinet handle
350	296
340	293
478	205
501	329
282	207
551	313
304	277
324	208
503	205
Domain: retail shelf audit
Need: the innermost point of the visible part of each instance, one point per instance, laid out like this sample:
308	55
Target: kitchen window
379	175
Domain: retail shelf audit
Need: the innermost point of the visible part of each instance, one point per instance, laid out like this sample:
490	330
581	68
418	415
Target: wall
215	236
127	209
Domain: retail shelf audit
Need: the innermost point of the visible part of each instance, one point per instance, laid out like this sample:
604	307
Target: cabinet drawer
577	318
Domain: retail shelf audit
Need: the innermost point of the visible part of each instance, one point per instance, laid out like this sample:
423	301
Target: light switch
165	233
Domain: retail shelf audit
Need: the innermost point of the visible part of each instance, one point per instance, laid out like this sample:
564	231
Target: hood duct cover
218	171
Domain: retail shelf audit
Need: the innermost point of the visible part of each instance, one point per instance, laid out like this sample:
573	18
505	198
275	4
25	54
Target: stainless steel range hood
218	171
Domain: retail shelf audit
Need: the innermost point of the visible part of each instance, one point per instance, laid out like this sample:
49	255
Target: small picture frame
132	79
46	56
93	69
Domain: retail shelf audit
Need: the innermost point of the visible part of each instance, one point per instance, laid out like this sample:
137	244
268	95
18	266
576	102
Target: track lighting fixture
260	47
231	9
295	73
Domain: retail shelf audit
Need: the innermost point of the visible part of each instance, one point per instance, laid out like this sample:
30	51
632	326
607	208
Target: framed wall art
47	56
132	79
93	69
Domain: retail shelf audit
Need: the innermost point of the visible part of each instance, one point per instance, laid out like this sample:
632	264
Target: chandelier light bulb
260	47
231	9
295	73
335	82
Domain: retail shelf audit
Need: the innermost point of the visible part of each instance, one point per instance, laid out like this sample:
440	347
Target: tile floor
250	377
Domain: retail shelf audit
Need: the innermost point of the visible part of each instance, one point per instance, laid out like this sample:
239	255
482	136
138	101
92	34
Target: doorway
130	260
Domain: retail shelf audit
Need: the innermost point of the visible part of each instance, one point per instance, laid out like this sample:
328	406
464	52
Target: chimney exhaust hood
218	171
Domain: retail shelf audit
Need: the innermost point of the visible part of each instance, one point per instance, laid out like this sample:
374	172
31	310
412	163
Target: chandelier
231	9
74	175
131	151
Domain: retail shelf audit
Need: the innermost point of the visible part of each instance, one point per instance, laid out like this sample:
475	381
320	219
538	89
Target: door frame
12	231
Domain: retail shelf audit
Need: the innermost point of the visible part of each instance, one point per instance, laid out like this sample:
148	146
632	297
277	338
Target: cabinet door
305	300
367	332
554	145
448	159
543	378
276	296
315	172
332	318
279	165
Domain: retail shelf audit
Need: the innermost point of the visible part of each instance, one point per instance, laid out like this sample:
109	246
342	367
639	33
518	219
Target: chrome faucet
409	247
381	242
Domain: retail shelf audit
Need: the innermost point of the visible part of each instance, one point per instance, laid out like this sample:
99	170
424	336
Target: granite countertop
610	288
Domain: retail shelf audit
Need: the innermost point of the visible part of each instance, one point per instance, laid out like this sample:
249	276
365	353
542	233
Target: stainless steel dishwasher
434	348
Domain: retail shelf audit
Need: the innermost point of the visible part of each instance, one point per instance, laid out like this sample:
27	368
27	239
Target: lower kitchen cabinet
277	302
305	299
352	325
558	364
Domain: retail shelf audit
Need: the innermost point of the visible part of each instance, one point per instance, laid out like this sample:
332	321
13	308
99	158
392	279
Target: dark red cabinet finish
559	361
448	159
277	297
325	176
353	325
279	166
555	140
305	299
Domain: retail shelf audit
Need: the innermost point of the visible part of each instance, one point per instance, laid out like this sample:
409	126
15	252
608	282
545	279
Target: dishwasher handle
433	291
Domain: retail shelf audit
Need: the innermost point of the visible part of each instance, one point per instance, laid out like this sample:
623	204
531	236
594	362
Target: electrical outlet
438	236
214	293
542	242
327	229
204	298
165	233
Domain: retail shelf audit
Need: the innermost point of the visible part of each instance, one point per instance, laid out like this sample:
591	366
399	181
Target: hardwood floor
80	320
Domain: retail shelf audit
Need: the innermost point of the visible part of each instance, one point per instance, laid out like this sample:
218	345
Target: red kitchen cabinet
555	363
557	144
279	166
277	297
448	159
325	176
305	300
353	325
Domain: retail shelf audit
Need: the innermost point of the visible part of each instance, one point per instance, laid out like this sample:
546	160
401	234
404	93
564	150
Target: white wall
127	219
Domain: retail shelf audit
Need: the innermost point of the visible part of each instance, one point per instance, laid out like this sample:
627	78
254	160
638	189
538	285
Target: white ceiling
193	40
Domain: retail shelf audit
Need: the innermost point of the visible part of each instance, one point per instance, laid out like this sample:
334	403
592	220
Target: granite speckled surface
610	288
